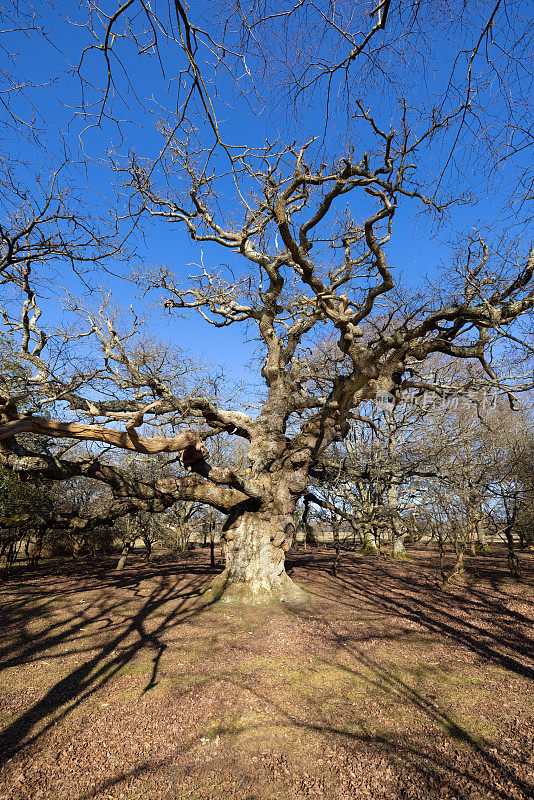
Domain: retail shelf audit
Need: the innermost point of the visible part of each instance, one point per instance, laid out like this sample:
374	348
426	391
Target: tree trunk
306	530
398	528
37	549
481	544
212	546
10	557
399	535
335	563
513	562
255	544
148	548
78	545
182	537
528	538
3	549
460	560
124	555
458	567
399	550
370	546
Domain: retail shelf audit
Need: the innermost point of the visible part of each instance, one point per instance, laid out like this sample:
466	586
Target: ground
380	686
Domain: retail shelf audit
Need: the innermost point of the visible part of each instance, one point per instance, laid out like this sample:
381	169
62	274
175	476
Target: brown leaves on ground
382	686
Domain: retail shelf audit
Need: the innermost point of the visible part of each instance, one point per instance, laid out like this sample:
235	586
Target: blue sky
416	247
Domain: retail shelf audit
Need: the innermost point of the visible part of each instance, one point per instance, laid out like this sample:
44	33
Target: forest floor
125	685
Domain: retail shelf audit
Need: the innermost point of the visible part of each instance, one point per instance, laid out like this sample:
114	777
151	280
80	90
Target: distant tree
512	487
23	513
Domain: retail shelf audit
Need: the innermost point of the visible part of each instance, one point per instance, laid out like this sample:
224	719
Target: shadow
475	616
108	619
164	596
444	759
428	771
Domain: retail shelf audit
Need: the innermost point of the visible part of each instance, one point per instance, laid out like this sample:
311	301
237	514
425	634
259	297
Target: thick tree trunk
399	535
370	546
398	528
399	550
460	560
255	543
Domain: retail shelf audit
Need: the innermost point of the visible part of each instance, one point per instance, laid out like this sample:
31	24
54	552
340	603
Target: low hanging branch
125	440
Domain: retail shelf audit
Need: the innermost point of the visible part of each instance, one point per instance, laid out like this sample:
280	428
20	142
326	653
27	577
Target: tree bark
124	555
9	556
399	550
37	549
148	548
399	534
370	546
527	538
181	537
255	543
335	563
212	544
481	542
513	562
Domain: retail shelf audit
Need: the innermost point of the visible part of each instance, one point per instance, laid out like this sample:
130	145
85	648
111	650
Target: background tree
23	514
511	487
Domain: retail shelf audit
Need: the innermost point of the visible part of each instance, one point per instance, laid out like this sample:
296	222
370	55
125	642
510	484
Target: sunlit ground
380	686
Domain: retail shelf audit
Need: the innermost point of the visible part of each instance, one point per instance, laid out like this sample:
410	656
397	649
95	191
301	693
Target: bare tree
307	238
512	487
286	294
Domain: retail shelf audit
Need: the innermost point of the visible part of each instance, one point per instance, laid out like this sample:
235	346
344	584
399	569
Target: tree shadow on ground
474	768
473	616
445	759
170	595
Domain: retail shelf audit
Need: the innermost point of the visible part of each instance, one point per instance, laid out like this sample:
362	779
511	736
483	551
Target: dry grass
381	686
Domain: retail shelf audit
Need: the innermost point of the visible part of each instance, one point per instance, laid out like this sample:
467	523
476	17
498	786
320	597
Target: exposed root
222	589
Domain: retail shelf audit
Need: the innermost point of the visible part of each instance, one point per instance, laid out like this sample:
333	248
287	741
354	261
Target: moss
136	667
214	590
7	719
185	681
369	550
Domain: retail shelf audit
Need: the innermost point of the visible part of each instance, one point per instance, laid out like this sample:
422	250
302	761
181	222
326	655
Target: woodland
266	382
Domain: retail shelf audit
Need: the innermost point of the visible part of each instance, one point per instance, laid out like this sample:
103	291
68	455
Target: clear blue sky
415	249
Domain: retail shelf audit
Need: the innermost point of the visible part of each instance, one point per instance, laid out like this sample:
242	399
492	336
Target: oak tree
307	235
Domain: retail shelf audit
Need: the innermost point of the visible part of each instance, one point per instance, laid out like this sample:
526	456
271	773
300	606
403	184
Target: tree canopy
289	146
